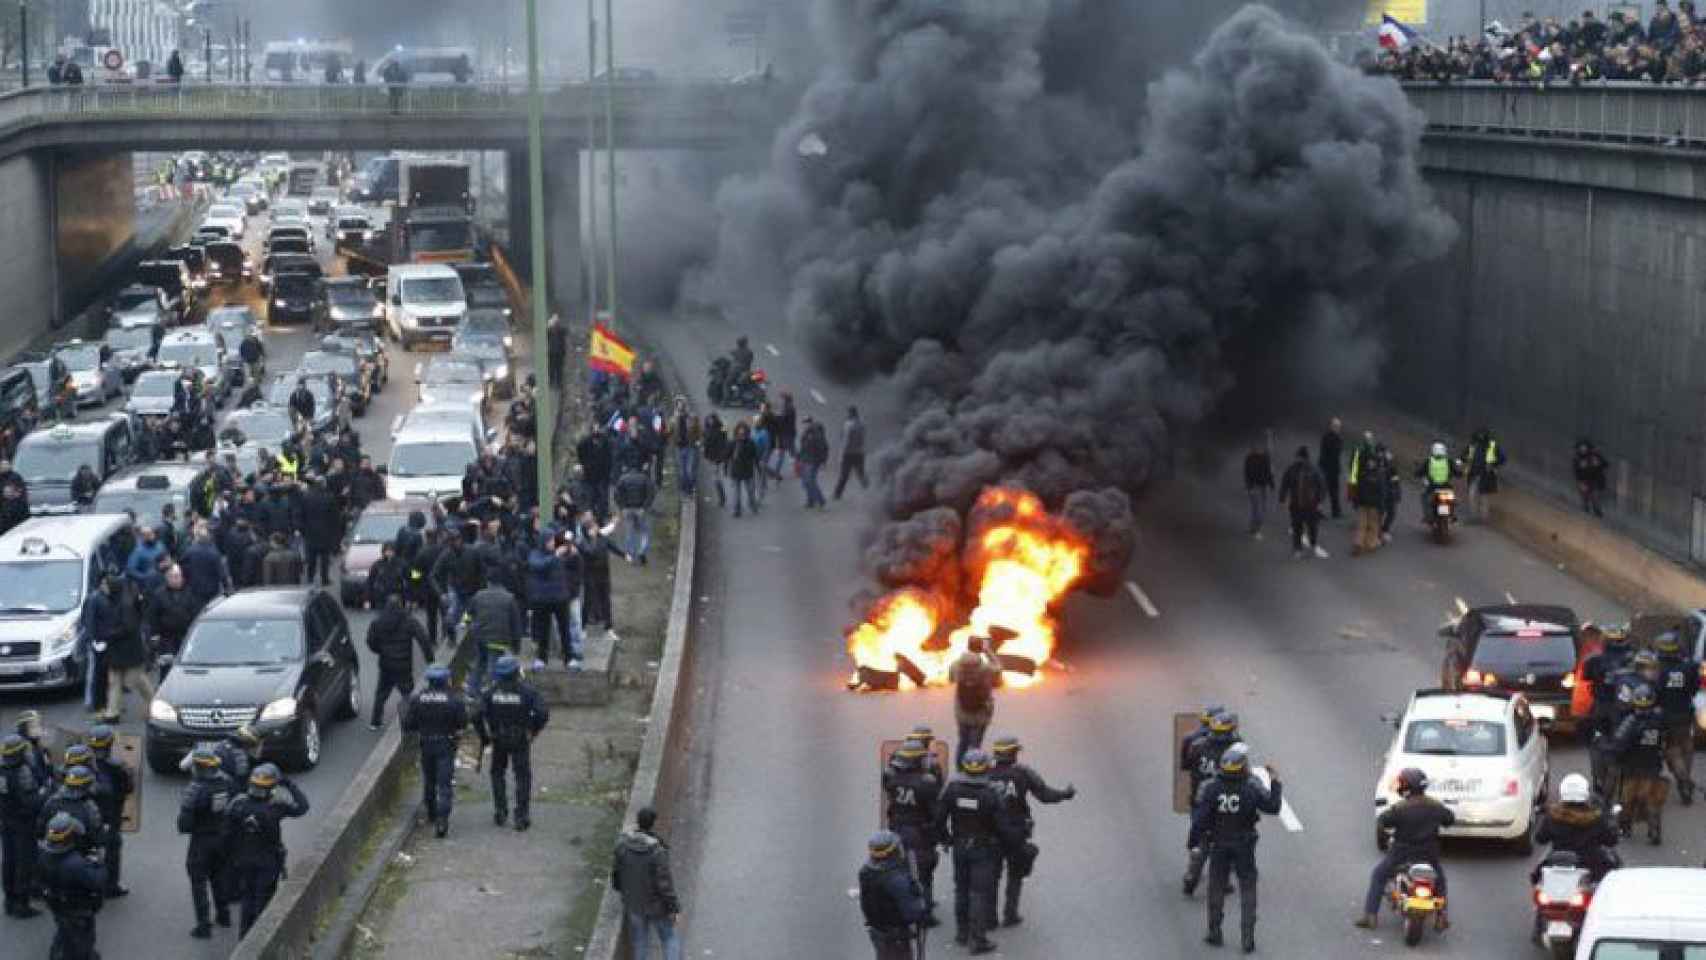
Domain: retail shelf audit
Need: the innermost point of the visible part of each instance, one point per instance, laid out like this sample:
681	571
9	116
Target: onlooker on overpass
175	67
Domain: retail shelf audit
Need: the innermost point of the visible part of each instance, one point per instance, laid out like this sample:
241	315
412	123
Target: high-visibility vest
286	465
1492	453
1439	471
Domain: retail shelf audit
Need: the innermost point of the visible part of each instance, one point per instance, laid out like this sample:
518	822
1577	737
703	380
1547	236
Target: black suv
1530	649
481	286
172	277
19	411
277	658
292	299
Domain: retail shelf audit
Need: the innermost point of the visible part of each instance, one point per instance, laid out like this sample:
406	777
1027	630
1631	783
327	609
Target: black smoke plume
1064	275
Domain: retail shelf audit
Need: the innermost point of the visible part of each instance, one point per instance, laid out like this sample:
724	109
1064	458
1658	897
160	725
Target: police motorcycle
726	388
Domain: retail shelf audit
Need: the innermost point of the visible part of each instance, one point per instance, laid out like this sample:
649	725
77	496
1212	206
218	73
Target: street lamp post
610	158
24	41
545	425
207	50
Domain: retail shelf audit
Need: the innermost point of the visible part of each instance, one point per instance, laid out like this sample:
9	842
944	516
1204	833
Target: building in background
139	29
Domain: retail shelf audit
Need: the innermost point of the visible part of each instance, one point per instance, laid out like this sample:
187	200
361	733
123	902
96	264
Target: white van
1646	913
428	460
48	565
423	301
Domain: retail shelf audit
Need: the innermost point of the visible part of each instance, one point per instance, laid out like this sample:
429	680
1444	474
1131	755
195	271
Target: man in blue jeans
634	495
641	874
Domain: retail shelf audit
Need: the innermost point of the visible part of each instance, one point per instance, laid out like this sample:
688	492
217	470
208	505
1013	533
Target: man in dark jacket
282	566
1017	783
495	626
322	530
548	599
1578	825
1223	822
634	495
394	636
891	900
812	456
597	458
1414	822
1258	486
852	452
640	873
254	839
84	485
1590	468
1332	456
367	485
121	643
1367	482
1302	489
205	568
171	611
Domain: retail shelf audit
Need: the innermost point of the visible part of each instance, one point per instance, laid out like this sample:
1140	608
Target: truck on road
433	221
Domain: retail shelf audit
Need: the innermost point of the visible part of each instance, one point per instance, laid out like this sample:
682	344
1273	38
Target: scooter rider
1224	823
1414	822
1679	680
1575	824
1016	783
912	793
1203	762
1438	470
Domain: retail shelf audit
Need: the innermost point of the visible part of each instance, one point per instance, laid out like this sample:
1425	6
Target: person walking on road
1224	823
510	717
438	714
890	898
393	637
744	466
813	454
113	783
1302	489
121	642
1258	486
640	873
1332	455
974	675
1367	484
254	837
201	815
852	452
1483	460
175	67
684	436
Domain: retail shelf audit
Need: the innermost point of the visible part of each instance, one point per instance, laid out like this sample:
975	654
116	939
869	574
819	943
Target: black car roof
261	603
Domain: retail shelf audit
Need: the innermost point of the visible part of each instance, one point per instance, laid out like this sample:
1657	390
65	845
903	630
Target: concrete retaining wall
94	196
26	253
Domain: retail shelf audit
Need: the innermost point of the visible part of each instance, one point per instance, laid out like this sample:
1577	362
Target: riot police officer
113	783
1202	761
1017	783
74	798
201	815
967	817
438	714
21	796
1224	823
1204	718
892	901
28	726
71	882
511	715
926	736
1639	745
1601	670
1679	681
255	841
912	793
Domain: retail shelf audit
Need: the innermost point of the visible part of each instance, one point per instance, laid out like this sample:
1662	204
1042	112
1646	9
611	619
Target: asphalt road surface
1310	653
153	923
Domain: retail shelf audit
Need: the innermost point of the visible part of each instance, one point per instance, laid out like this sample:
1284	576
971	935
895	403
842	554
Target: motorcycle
1561	898
726	389
1442	513
1411	893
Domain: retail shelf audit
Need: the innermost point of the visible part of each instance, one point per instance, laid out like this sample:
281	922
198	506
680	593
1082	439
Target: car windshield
477	325
432	289
289	245
242	643
437	458
52	461
191	354
1507	653
1647	950
144	503
450	235
294	285
451	372
227	255
243	188
85	357
131	338
288	208
40	586
325	361
213	230
345	295
154	385
326	193
167	276
225	210
128	300
352	223
378	526
270	427
1455	738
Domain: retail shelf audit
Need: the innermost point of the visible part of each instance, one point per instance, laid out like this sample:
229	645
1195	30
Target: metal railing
1632	113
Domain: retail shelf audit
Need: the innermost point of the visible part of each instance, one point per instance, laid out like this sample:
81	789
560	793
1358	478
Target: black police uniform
511	715
1602	670
438	715
21	796
1415	823
913	796
72	883
234	761
1224	823
1202	763
81	806
1017	783
255	844
113	782
893	904
967	816
1679	680
1639	746
201	815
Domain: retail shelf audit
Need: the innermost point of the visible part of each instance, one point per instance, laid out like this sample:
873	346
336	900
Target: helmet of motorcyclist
1235	762
63	832
262	780
1412	782
975	762
1574	789
28	724
758	376
1224	722
1668	643
883	845
1642	697
1438	450
438	675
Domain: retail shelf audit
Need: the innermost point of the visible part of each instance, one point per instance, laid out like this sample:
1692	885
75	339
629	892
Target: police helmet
922	732
1573	789
909	754
883	845
1235	762
507	668
204	758
1438	450
1642	696
262	779
975	762
247	736
1006	747
1224	722
1644	661
1411	782
1207	713
100	737
27	721
78	777
1668	643
1616	635
13	746
79	754
63	832
438	675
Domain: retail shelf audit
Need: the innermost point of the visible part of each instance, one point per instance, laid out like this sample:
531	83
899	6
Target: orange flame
1024	561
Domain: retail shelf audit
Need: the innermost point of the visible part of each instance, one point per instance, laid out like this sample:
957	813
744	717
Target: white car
1485	756
228	215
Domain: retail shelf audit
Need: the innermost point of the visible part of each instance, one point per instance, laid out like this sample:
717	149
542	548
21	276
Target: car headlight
503	370
506	313
283	708
162	712
378	310
278	303
509	341
63	639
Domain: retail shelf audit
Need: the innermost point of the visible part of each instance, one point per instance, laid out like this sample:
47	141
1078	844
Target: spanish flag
608	353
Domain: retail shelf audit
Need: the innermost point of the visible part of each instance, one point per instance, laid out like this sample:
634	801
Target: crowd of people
1669	48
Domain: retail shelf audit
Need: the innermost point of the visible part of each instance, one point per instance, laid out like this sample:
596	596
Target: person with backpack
974	676
1302	489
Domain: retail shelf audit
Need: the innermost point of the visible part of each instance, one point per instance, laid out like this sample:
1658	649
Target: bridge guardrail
1632	113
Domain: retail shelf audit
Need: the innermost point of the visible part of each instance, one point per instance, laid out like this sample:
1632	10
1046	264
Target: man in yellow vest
1438	470
1483	459
1367	482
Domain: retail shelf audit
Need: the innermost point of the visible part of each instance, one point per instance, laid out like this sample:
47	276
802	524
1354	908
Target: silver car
93	372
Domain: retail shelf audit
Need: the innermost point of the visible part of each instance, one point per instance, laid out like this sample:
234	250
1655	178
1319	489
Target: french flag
1393	34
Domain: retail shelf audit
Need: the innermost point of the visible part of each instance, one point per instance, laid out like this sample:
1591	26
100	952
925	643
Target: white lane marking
1288	816
772	348
818	396
1510	598
1142	599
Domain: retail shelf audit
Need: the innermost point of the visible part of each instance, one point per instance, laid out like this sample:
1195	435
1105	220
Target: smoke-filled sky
1065	268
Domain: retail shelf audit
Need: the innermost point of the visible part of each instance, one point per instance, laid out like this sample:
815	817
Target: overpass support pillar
562	222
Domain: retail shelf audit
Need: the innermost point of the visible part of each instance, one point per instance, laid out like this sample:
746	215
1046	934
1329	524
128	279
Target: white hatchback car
1485	756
